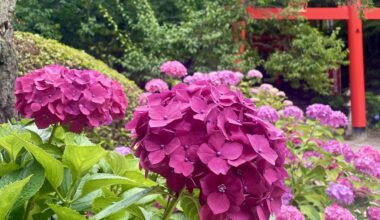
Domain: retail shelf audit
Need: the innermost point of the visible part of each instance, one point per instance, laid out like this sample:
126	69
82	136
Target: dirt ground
371	138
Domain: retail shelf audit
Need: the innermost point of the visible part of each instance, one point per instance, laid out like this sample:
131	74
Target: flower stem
171	206
52	134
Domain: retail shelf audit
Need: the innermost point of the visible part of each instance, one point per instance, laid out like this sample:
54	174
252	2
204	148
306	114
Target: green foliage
373	109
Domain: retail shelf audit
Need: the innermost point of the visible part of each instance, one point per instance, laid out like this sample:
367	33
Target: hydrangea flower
340	193
254	74
123	151
173	69
156	85
75	98
373	213
337	148
327	116
268	113
287	197
209	137
289	212
223	77
335	212
310	154
338	119
367	160
293	111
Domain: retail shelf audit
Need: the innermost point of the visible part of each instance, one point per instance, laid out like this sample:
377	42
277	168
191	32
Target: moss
35	52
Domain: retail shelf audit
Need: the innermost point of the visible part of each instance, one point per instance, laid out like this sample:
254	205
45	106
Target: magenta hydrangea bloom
327	116
123	151
367	160
223	77
75	98
338	119
156	85
289	212
254	74
373	213
293	111
268	113
335	212
209	137
173	69
337	148
340	193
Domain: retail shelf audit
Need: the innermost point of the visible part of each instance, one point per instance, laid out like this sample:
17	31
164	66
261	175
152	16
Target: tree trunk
8	64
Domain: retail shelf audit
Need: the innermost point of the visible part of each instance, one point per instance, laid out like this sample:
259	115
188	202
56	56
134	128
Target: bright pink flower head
289	212
337	148
254	74
373	213
173	69
156	85
75	98
335	212
367	160
268	113
210	137
293	111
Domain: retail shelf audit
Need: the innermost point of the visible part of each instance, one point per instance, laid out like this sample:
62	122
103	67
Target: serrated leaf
120	165
6	168
9	195
77	139
98	181
81	158
13	145
124	203
65	213
190	207
53	167
84	203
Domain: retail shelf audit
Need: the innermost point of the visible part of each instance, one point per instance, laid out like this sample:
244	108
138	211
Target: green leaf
65	213
190	207
124	203
9	195
6	168
12	144
120	165
310	212
53	167
84	203
98	181
82	158
77	139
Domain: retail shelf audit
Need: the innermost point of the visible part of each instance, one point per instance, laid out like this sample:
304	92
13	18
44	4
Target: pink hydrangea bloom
367	160
288	103
289	212
338	119
335	212
173	69
254	74
210	137
340	193
156	85
293	111
268	113
337	148
75	98
223	77
373	213
123	150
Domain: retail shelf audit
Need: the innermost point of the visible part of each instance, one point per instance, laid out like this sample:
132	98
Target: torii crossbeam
350	13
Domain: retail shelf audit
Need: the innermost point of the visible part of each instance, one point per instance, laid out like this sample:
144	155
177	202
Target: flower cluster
340	193
289	212
335	212
254	74
287	197
173	69
373	213
327	116
294	112
223	77
123	151
75	98
367	160
268	113
337	148
210	137
156	85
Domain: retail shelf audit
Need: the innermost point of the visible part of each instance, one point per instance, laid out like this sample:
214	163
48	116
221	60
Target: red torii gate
351	13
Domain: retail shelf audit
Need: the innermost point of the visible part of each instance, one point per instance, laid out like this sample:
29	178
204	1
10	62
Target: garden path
372	138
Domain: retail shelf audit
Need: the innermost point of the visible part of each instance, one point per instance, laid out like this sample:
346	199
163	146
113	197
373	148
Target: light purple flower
367	160
268	113
254	74
338	119
123	151
319	112
156	85
335	212
337	148
340	193
289	212
173	69
287	197
293	111
373	213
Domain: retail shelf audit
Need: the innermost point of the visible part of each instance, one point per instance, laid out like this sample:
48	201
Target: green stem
29	207
52	134
173	203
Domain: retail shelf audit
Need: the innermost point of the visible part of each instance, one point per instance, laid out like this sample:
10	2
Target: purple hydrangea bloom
340	193
289	212
337	148
293	111
223	77
367	160
156	85
268	113
123	150
335	212
327	116
338	119
254	74
75	98
173	69
287	197
373	213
